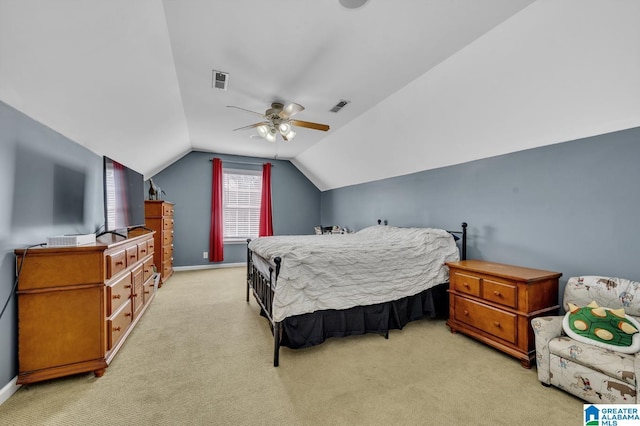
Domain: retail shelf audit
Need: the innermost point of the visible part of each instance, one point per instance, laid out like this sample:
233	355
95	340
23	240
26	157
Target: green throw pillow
608	328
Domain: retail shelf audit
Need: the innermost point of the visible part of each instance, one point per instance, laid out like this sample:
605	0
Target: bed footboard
263	288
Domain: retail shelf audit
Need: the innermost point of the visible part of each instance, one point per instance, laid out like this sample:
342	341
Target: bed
313	287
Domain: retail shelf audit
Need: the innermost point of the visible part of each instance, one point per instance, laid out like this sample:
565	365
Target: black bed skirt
306	330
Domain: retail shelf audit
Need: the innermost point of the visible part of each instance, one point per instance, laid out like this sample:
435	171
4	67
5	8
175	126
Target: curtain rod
243	162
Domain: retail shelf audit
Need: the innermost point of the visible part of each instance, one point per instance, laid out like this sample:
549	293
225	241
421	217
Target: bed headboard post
464	240
277	261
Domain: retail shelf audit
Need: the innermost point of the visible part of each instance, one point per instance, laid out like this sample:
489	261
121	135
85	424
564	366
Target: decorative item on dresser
159	217
77	305
495	304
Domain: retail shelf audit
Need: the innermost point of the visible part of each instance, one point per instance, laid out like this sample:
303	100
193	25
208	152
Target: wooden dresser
77	305
159	217
495	303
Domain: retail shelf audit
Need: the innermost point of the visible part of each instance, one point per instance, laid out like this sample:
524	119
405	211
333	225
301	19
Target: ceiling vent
339	106
220	80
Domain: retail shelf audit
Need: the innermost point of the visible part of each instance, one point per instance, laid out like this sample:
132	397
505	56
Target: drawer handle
497	293
496	323
116	328
116	296
133	256
127	314
127	286
465	285
120	262
466	312
143	251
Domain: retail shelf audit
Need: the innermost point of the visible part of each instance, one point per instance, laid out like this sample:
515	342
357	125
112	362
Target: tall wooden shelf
77	305
159	217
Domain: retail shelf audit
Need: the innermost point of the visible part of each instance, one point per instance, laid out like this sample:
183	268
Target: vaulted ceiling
430	83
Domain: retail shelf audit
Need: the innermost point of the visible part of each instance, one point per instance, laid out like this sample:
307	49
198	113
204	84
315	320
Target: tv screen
123	196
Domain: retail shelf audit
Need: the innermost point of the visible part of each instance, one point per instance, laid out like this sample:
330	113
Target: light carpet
201	355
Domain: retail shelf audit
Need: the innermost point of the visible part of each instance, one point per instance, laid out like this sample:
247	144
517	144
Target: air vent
220	80
339	106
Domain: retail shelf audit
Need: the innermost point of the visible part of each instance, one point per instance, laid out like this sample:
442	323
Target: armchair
590	372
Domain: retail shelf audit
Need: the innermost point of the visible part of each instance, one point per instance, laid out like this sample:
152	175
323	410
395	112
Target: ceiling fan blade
247	110
250	126
310	125
291	110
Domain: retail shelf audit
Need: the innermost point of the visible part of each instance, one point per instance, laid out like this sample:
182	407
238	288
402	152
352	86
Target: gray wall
570	207
187	184
49	186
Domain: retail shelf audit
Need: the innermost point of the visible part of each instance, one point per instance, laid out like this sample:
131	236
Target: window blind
241	200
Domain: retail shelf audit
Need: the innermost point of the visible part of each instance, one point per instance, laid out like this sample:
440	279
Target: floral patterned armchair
593	373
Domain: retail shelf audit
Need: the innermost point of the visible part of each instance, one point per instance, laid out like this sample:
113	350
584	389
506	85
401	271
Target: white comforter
377	264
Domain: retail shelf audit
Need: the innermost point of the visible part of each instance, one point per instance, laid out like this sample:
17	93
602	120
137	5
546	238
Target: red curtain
266	225
216	235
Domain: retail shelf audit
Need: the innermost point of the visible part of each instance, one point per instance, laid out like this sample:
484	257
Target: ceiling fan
278	120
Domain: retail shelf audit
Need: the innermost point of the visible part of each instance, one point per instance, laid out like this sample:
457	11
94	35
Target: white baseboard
8	390
214	266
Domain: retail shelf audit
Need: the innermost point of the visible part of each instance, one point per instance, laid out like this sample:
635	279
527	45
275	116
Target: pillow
607	328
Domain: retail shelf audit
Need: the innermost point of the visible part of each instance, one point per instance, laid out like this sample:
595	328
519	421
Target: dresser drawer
117	325
167	223
132	255
167	209
147	271
167	237
167	251
143	250
468	284
147	289
167	267
151	246
498	292
490	320
118	293
116	262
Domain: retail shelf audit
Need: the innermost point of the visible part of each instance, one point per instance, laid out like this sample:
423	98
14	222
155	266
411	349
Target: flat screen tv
123	197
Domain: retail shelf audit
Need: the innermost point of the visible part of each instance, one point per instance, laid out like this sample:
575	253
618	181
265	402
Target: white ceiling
431	82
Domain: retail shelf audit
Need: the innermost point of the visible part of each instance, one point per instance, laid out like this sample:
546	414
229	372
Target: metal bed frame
263	288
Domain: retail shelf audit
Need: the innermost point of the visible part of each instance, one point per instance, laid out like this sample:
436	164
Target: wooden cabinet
76	305
495	303
159	217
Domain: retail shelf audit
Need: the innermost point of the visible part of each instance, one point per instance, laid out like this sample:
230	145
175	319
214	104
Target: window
241	194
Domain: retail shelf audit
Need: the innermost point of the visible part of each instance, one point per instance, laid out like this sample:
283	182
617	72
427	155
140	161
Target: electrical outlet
205	254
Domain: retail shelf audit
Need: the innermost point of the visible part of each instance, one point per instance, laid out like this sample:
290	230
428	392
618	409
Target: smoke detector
352	4
220	80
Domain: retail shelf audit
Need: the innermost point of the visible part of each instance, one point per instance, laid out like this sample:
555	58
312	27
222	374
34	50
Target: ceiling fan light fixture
284	128
271	136
278	120
263	130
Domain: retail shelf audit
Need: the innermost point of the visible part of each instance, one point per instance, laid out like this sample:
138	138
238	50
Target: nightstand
494	303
